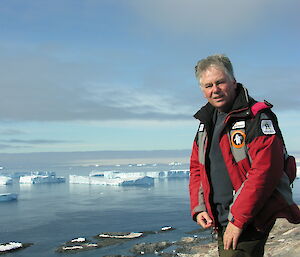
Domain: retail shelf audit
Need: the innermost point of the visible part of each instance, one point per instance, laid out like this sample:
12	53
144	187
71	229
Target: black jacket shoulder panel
264	123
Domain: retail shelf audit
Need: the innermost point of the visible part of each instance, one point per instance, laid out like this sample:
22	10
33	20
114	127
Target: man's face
218	88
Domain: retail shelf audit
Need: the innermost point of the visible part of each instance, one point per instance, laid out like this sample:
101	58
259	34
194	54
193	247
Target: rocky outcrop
284	241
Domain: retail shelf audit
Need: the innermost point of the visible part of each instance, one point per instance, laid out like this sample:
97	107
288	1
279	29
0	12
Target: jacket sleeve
195	185
266	153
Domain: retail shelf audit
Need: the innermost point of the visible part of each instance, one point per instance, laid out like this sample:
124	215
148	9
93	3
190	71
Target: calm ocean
49	215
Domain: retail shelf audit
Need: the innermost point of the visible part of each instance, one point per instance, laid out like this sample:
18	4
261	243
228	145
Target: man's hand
204	220
231	236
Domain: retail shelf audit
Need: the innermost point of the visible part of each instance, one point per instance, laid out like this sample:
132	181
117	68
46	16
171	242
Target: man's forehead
213	74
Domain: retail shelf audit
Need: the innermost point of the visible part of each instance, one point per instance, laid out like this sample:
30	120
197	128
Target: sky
113	75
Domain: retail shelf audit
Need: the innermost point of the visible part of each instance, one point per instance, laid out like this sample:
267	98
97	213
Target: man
237	181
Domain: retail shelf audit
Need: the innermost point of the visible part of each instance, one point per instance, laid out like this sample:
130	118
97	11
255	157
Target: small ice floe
78	240
10	246
7	197
4	180
127	236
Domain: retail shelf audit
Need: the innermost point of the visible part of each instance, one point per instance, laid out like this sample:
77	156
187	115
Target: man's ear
235	84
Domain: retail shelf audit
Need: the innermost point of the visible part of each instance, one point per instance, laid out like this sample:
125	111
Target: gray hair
219	61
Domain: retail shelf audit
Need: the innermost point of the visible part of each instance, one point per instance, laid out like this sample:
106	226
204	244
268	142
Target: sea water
49	215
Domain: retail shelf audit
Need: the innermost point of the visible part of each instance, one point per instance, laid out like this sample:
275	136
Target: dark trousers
250	244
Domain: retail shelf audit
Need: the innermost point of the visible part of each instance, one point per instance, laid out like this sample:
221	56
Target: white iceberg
41	178
178	173
175	173
8	197
5	180
118	178
109	181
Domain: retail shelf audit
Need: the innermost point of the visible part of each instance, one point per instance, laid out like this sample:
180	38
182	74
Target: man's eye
208	86
220	82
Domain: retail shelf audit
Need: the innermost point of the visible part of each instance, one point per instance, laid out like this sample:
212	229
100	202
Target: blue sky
87	75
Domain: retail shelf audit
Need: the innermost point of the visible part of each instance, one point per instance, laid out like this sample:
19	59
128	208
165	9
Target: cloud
10	131
215	18
7	146
35	141
130	79
49	89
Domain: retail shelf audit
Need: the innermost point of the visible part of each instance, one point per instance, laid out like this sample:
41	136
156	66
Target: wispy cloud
35	141
11	131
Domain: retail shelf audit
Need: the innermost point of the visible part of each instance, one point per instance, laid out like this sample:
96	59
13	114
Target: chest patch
239	125
267	127
201	128
238	138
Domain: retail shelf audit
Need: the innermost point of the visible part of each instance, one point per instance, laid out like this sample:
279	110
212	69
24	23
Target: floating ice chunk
41	178
8	197
10	246
111	181
5	180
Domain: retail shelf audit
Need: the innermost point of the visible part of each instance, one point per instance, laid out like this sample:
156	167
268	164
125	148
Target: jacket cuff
237	223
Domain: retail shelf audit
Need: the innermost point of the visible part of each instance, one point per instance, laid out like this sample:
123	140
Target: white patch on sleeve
239	125
267	127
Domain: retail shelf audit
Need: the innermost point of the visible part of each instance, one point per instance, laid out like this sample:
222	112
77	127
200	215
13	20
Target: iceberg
4	180
41	178
118	178
109	181
8	197
175	174
178	173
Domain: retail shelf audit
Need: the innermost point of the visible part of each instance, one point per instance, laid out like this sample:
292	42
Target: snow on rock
4	180
75	247
127	236
166	228
78	240
10	246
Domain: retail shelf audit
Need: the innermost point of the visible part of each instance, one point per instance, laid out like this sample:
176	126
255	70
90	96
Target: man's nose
215	88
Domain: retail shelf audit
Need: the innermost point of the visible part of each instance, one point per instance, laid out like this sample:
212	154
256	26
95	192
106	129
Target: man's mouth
218	98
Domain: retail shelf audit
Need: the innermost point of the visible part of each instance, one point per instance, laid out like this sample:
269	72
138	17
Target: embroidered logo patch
201	128
267	127
239	125
238	139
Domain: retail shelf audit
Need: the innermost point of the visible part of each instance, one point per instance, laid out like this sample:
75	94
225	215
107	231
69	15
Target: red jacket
252	147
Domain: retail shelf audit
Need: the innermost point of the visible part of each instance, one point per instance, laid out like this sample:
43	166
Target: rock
117	255
283	241
145	248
